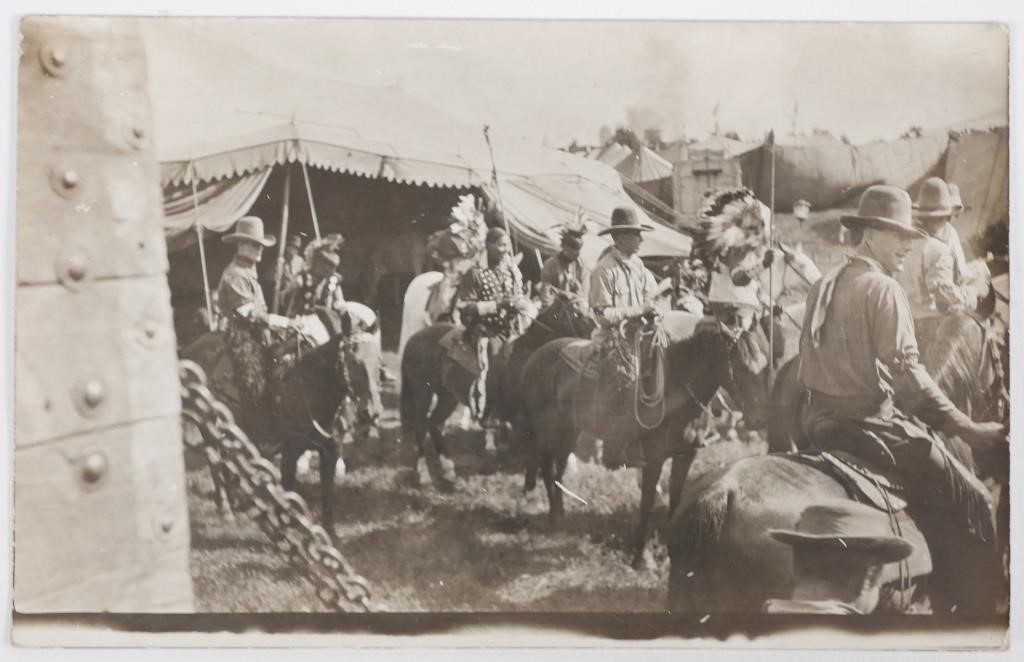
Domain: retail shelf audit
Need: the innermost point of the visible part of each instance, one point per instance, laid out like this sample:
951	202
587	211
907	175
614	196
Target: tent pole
202	250
497	188
279	272
309	196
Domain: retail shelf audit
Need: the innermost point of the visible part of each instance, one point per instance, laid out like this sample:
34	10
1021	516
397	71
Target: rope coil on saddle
650	397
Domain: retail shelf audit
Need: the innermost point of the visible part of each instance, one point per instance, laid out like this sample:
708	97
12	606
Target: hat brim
932	213
625	228
885	549
881	223
235	238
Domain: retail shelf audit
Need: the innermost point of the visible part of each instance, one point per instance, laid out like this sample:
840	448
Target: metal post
202	249
284	238
309	197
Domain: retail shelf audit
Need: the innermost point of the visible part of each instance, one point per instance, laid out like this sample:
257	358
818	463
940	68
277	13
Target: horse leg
446	404
681	463
328	468
220	478
290	453
547	472
649	484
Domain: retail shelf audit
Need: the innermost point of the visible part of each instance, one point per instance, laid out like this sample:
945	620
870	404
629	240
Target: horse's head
566	317
358	368
739	337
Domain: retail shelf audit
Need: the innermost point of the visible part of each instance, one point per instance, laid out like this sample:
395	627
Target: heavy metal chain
255	487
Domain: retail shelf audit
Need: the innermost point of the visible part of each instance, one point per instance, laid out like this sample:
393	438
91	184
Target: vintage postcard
626	334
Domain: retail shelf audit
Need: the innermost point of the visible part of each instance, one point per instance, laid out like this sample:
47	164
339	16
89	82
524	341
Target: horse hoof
339	471
423	477
447	469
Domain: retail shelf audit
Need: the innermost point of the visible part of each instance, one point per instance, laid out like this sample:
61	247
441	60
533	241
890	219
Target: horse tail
695	542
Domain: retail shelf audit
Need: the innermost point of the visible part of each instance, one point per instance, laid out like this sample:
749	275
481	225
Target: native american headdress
733	224
574	230
328	244
464	237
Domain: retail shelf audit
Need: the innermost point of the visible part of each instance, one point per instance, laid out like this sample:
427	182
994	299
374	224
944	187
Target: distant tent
612	154
828	172
979	163
265	117
644	165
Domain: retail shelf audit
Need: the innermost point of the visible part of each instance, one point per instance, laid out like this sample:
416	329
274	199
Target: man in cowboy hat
859	366
566	271
487	303
241	302
621	287
839	550
936	268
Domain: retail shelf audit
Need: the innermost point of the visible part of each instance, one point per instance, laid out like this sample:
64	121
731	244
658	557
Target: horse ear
987	304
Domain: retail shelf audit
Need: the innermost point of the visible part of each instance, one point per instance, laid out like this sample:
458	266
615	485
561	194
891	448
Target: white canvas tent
224	119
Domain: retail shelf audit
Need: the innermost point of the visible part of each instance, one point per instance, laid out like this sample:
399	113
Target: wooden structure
101	519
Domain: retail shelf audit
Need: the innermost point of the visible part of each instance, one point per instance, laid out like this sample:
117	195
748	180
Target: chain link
255	487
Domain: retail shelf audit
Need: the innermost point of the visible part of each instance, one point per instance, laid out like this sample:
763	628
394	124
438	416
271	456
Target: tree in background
626	137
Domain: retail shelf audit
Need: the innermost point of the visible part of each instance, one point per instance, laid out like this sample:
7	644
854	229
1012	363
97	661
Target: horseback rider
859	367
621	287
487	303
936	269
839	550
566	271
241	302
318	287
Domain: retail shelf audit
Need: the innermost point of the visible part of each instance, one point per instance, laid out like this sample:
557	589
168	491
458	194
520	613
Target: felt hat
954	197
884	208
625	219
933	200
842	525
249	229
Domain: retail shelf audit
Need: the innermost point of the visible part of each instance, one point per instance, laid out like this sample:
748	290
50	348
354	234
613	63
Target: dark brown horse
299	410
429	375
721	555
719	353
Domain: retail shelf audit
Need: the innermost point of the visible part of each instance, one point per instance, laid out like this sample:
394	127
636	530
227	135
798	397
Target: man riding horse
859	368
487	305
566	272
935	270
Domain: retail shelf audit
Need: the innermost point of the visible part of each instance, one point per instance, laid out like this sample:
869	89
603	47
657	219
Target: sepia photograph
631	332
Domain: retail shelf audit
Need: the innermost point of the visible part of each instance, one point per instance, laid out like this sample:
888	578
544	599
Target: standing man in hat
859	367
566	271
241	302
839	550
487	304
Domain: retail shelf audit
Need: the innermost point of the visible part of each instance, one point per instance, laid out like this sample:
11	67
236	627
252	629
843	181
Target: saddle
862	482
459	350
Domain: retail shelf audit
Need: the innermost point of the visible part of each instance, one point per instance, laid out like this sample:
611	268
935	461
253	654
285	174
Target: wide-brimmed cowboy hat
847	526
625	219
933	200
954	197
249	229
884	208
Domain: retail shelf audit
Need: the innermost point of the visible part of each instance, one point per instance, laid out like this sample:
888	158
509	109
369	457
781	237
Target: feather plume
732	220
326	244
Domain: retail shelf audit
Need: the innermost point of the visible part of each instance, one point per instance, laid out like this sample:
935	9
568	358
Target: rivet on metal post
93	393
94	467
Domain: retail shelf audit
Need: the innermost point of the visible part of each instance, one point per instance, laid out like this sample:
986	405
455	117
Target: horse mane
953	357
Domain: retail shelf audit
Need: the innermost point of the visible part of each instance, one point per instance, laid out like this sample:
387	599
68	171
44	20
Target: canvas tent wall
979	163
829	173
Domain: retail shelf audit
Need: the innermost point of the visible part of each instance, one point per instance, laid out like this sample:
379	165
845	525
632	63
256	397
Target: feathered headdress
573	231
464	237
328	244
733	221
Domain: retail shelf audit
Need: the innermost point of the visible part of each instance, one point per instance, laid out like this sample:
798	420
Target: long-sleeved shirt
239	286
620	287
568	275
858	348
488	285
929	278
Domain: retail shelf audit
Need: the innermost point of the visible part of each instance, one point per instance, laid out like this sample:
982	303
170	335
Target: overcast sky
559	81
